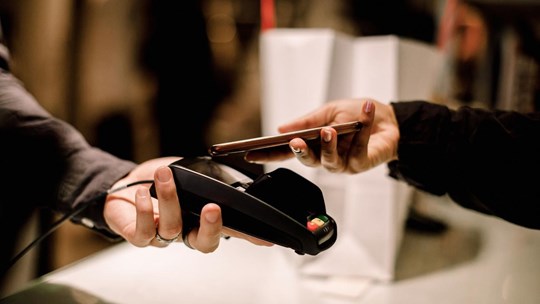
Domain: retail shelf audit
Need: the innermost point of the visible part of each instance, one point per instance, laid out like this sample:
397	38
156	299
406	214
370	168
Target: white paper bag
303	68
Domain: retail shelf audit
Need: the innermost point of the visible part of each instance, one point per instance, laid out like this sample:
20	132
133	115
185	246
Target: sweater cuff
421	148
92	217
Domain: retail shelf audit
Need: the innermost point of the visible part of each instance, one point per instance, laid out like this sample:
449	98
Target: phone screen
278	140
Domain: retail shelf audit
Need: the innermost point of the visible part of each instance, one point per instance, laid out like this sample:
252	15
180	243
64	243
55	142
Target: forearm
90	173
46	162
481	159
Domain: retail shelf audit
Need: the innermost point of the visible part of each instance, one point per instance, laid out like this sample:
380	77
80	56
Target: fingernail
295	150
368	106
163	175
211	217
327	135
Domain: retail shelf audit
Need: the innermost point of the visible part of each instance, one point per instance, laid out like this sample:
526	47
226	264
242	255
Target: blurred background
142	79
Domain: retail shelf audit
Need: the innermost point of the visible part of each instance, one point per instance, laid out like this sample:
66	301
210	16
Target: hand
374	144
133	214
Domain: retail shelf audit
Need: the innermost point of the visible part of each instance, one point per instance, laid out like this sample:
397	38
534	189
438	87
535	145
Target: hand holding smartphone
278	140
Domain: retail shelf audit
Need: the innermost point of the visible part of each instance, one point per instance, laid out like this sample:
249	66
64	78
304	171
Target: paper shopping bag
303	68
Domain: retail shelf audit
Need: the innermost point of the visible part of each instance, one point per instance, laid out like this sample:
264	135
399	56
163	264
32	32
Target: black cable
67	216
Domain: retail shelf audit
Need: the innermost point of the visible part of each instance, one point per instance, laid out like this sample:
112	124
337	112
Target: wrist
394	130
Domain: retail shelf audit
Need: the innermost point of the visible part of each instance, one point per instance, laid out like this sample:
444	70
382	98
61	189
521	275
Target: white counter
479	259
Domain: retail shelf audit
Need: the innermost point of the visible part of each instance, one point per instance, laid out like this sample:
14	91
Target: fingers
206	238
168	226
330	158
169	223
145	229
348	153
159	222
358	158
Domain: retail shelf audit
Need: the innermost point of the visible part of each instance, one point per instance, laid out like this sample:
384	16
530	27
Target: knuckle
169	232
143	209
166	194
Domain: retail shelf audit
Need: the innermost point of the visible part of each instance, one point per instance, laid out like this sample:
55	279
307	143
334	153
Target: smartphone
278	140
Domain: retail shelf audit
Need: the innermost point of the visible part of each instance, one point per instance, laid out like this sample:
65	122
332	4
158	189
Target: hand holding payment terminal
280	207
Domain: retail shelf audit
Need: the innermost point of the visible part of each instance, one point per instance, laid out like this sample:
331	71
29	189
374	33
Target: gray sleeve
47	163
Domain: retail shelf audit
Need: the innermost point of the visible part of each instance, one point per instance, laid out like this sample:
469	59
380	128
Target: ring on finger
165	241
185	239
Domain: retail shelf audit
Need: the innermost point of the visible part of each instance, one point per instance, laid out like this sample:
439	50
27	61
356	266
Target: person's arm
47	163
59	169
484	160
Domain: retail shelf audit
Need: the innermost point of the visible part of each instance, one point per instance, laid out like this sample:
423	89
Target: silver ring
185	239
163	240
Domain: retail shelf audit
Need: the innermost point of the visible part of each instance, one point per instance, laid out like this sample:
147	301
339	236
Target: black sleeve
47	163
484	160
